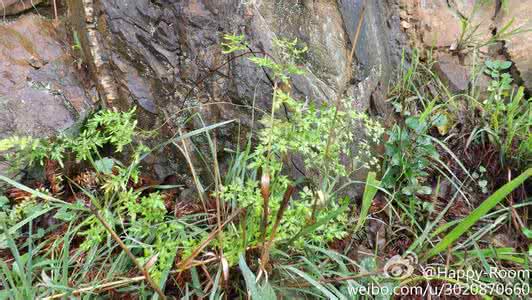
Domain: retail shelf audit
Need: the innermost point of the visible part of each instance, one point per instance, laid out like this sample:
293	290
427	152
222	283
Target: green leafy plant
105	127
472	39
304	134
233	43
370	190
506	115
252	228
409	154
140	218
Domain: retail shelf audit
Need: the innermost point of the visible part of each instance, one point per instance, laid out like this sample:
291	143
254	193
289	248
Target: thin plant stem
266	249
55	11
186	154
113	234
342	89
185	264
265	193
99	287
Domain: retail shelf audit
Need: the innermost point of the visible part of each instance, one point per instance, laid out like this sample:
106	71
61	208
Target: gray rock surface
161	50
165	56
40	91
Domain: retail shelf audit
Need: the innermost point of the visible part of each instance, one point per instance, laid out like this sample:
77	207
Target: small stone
405	24
36	62
451	72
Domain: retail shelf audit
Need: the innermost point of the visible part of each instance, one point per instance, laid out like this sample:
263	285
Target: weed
505	118
140	218
471	39
305	134
105	127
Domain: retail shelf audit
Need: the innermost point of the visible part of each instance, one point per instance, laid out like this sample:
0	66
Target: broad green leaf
64	214
424	190
505	64
104	165
527	232
3	201
414	124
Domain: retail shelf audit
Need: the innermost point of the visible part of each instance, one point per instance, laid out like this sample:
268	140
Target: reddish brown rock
519	46
40	93
454	74
439	25
13	7
480	17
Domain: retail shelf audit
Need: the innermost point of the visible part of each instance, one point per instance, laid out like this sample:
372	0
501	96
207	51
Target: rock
405	25
438	22
439	25
381	40
40	93
174	60
480	15
165	56
452	72
13	7
518	45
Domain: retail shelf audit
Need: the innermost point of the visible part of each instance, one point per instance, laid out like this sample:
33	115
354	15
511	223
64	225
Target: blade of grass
372	185
313	282
185	136
185	263
21	264
257	292
113	284
478	213
32	191
117	239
